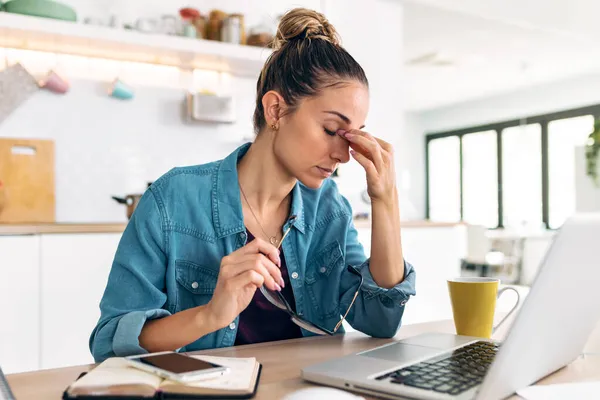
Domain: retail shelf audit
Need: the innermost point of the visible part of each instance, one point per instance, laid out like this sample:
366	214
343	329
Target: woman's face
306	143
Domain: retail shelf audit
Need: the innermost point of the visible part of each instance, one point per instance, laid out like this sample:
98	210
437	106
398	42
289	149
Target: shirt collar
228	217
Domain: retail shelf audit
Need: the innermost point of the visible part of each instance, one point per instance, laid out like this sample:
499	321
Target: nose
341	150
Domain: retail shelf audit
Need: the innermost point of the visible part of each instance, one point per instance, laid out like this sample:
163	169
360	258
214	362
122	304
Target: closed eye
330	133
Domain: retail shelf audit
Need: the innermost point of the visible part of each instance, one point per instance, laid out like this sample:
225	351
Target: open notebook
116	378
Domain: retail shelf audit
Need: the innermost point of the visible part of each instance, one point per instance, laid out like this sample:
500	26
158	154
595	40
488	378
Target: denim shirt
169	257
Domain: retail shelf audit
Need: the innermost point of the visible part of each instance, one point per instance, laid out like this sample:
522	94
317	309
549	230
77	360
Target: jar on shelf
233	29
215	24
188	16
262	35
189	30
200	24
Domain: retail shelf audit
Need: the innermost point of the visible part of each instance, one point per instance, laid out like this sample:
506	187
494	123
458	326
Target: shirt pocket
323	280
196	284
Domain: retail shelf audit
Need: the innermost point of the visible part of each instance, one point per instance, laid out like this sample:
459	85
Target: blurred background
491	107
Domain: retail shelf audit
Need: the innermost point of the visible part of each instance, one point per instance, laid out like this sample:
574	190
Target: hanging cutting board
27	172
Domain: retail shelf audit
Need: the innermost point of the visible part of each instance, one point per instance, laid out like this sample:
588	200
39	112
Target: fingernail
352	152
279	262
341	132
281	282
349	135
277	287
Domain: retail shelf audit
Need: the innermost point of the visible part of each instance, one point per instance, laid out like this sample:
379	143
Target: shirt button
232	326
322	270
294	275
403	302
195	285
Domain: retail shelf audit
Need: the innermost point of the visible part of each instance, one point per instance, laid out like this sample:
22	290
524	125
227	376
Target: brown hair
307	57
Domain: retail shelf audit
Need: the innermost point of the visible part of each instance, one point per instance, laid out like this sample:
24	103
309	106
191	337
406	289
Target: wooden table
282	362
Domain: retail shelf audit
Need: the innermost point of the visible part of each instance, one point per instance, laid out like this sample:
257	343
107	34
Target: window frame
543	120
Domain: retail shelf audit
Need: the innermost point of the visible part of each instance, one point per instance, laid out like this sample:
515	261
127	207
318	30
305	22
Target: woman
204	239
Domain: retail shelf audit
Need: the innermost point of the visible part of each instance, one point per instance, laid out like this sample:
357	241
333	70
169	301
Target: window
444	179
508	174
564	136
522	175
480	178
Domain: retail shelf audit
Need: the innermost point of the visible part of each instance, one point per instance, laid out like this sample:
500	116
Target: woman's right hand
241	273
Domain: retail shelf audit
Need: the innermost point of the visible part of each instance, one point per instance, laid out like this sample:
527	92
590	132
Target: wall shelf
42	34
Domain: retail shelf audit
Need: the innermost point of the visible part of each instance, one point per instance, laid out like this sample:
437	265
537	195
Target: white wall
541	99
255	12
376	43
108	147
562	95
413	165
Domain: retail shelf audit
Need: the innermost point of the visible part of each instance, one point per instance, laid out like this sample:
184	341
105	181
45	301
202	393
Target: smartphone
176	366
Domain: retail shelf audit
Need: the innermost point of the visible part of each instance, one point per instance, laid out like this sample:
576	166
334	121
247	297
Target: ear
273	104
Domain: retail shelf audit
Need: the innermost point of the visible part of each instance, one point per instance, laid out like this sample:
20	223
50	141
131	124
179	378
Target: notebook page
113	372
579	391
239	377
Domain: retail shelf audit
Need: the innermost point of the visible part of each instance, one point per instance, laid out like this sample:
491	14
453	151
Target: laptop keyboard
5	392
451	373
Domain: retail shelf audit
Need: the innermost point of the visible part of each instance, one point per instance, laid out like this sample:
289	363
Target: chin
312	182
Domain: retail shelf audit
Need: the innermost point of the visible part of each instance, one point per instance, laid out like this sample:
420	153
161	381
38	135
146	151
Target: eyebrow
343	117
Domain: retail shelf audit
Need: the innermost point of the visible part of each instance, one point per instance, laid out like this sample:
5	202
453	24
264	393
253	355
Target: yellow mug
474	304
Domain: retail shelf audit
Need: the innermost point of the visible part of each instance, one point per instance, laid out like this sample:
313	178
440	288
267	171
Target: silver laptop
549	331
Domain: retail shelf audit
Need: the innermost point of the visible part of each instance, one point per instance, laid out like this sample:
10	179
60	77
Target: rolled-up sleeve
135	291
377	311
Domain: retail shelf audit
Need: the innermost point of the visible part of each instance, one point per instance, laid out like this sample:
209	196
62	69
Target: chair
498	257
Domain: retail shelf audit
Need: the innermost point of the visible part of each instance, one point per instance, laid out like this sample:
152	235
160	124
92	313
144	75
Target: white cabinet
19	302
74	270
364	237
435	252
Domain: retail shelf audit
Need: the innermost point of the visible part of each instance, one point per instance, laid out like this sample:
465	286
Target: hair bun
304	24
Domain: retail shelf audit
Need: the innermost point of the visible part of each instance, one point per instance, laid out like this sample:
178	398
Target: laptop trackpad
401	353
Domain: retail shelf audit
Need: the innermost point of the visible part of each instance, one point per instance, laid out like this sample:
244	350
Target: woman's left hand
377	158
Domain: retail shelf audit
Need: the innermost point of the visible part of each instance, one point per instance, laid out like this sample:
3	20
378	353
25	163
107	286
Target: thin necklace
272	239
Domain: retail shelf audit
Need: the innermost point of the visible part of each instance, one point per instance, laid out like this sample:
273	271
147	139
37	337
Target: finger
256	262
268	280
358	132
367	146
365	162
261	246
384	145
244	279
249	260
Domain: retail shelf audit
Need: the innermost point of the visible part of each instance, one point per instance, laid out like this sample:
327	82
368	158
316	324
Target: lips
325	172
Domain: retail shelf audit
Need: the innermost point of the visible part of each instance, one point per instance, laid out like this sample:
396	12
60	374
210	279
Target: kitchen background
435	66
105	146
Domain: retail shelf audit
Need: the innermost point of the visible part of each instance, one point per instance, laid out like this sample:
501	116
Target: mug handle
511	310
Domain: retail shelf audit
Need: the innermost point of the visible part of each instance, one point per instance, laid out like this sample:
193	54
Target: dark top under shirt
263	322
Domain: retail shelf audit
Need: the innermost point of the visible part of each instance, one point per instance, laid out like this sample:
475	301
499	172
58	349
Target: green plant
592	153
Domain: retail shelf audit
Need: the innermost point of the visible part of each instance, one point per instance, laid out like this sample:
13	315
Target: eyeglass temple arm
282	298
290	220
354	271
347	311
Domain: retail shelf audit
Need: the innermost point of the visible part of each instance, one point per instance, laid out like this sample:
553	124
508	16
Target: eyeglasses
279	301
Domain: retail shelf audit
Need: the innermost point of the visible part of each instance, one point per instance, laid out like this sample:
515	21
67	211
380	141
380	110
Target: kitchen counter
118	227
366	223
34	229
